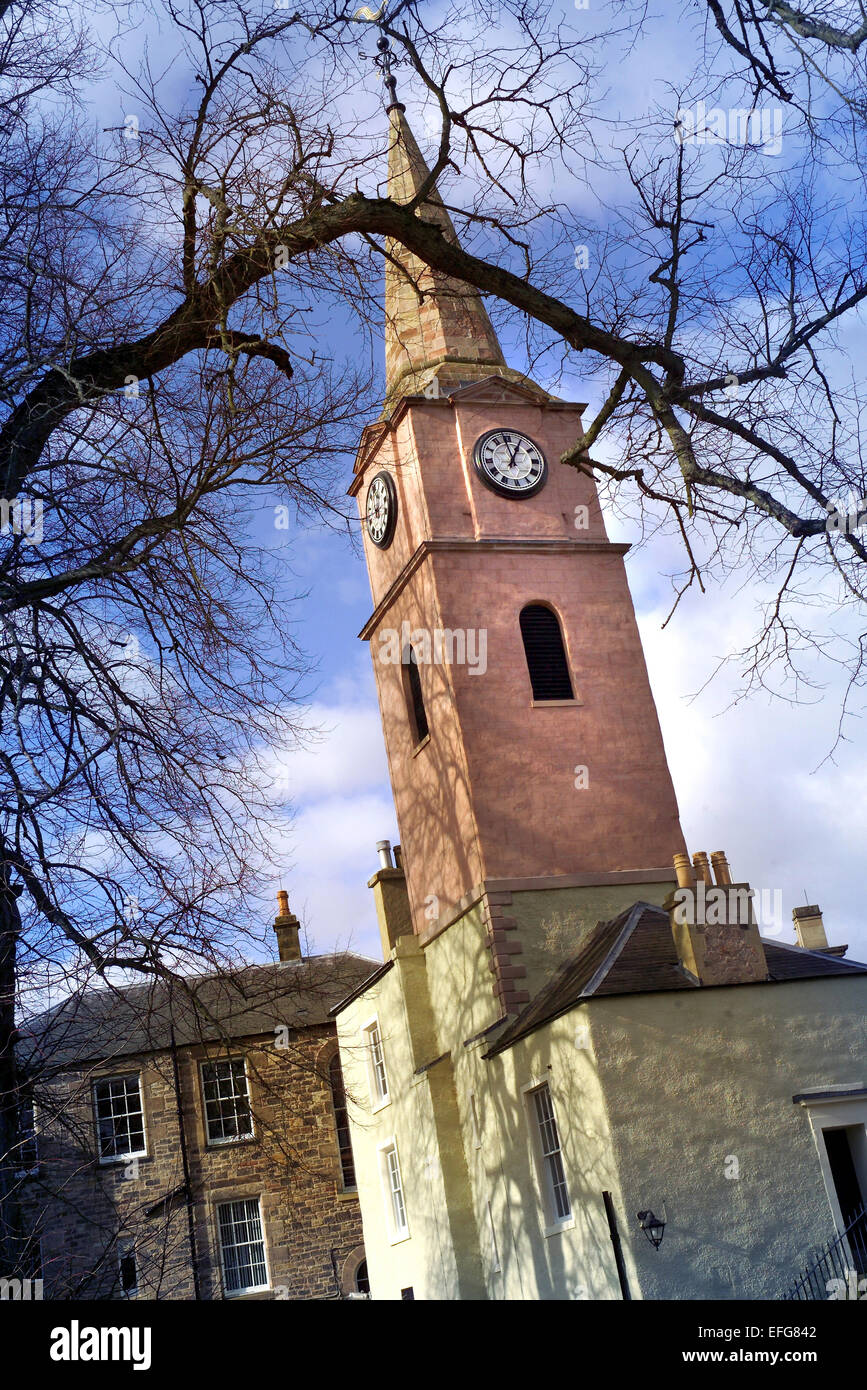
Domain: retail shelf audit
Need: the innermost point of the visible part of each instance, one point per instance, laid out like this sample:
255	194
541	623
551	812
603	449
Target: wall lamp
653	1227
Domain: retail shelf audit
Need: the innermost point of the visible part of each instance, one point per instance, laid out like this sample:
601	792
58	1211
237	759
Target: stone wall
82	1205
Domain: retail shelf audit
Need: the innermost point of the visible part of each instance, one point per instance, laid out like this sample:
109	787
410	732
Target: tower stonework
538	814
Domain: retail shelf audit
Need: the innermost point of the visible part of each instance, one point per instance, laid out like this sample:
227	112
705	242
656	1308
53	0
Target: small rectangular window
394	1192
127	1268
415	699
119	1117
25	1153
341	1124
242	1246
552	1173
376	1064
227	1102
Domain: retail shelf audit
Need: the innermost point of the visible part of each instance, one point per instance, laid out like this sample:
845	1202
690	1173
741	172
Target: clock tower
525	754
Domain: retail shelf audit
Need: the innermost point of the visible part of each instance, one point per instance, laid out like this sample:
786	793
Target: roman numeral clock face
510	463
381	510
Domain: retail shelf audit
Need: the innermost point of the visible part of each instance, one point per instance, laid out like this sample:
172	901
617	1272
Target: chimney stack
809	928
390	898
713	924
286	929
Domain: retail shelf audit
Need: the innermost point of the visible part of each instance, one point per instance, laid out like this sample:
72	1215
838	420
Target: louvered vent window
546	657
415	699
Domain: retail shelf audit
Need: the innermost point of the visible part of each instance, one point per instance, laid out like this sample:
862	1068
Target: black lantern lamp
653	1227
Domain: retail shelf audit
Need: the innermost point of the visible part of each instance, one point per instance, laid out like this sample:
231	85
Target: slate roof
634	953
100	1024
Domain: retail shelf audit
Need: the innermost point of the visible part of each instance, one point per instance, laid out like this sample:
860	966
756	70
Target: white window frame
396	1233
251	1288
228	1138
553	1223
126	1246
106	1159
378	1098
833	1112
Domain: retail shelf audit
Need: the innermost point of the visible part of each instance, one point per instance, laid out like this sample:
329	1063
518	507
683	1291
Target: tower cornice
504	545
373	434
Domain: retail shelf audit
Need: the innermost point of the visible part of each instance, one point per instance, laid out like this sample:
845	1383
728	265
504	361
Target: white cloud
342	798
754	778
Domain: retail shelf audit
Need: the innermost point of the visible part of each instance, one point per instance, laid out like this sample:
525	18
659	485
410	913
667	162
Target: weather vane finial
385	59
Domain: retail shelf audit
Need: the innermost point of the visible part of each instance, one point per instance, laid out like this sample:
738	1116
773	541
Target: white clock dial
381	510
510	463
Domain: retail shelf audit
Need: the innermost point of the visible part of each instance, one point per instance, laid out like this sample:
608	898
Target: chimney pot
722	872
702	867
383	849
684	870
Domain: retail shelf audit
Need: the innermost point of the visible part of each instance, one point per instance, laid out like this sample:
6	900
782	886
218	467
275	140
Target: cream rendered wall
490	1216
695	1080
439	1259
655	1095
658	1097
576	1262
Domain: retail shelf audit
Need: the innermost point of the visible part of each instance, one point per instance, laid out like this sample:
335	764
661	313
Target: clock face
381	510
510	463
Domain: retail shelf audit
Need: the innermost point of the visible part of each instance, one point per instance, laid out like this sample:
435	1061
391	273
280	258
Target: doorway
846	1147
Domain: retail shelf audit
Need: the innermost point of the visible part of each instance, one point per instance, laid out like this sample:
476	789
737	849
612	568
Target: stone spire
446	333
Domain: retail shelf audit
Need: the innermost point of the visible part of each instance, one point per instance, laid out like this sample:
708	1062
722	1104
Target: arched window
341	1123
362	1283
546	655
415	700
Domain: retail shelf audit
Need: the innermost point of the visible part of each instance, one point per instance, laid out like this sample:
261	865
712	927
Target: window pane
242	1246
377	1057
341	1123
227	1103
119	1116
398	1210
552	1159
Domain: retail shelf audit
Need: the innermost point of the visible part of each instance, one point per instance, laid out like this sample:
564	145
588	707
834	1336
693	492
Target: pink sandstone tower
525	753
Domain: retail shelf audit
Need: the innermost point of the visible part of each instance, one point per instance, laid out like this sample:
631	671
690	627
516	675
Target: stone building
192	1142
582	1071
